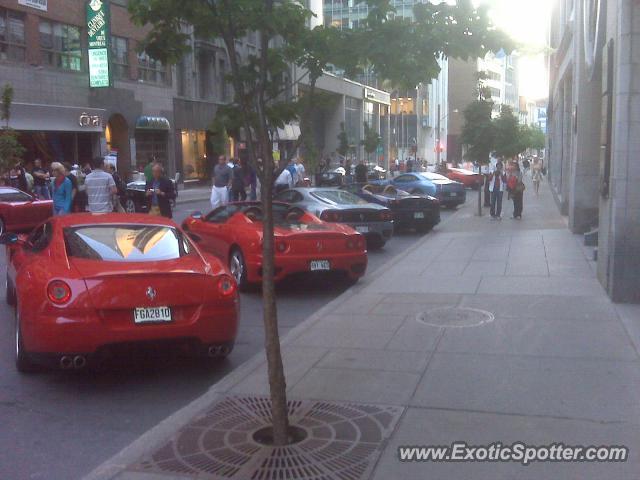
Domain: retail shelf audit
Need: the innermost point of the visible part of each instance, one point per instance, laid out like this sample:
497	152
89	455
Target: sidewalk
484	332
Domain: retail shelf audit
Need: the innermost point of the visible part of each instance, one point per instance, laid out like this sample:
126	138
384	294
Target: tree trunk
277	382
480	189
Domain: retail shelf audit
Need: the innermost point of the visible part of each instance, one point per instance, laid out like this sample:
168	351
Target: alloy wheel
130	206
1	226
236	265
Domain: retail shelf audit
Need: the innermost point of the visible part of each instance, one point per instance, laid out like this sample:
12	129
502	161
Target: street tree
509	139
478	132
533	137
343	141
398	51
371	141
10	148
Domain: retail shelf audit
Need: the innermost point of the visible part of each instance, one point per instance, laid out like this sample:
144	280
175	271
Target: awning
152	123
54	118
290	132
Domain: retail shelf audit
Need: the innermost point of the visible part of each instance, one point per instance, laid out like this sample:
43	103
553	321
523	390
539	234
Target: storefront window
194	154
151	143
12	44
150	70
120	57
60	45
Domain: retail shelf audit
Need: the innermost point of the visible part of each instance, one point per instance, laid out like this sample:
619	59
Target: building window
120	57
12	44
60	45
150	70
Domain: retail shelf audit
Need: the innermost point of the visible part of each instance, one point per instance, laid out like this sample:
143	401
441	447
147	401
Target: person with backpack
515	187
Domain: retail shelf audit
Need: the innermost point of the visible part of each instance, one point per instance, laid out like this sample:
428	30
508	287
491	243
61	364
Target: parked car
374	221
84	285
135	197
20	211
303	243
468	178
421	212
330	179
448	192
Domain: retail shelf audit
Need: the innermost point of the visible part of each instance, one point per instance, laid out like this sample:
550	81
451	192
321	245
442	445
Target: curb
153	438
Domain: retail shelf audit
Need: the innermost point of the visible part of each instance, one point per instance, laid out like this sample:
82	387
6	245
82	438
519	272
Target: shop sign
86	120
39	4
98	43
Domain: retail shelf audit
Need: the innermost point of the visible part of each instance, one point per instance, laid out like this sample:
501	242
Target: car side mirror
197	215
8	239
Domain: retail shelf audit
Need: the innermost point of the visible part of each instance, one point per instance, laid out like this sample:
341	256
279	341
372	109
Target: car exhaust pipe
66	362
79	361
213	351
224	351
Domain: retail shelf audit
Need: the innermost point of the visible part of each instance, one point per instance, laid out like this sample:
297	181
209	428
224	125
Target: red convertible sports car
87	285
303	242
19	211
468	178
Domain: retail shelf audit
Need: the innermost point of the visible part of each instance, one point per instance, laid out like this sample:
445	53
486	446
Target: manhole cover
455	317
341	443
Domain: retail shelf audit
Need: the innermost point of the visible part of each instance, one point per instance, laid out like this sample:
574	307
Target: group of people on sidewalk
511	181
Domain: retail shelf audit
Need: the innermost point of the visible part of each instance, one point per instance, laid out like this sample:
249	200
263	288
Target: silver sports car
375	222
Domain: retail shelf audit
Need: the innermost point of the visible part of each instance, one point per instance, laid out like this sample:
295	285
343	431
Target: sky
527	22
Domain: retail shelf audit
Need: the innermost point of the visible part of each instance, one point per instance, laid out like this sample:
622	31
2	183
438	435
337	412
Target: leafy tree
10	148
372	140
509	134
402	53
343	141
533	137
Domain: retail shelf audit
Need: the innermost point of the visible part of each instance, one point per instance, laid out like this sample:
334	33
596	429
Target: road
59	426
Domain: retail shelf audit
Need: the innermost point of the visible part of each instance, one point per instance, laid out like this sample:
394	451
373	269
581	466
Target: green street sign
98	43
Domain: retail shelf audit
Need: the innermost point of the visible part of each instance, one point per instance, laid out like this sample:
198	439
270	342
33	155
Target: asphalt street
59	426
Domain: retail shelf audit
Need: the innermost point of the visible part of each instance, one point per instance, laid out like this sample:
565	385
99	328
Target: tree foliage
371	141
478	132
532	137
509	138
11	150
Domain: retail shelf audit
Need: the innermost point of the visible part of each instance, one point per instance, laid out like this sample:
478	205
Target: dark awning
152	123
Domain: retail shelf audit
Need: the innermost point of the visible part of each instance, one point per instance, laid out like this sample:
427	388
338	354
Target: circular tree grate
455	317
340	442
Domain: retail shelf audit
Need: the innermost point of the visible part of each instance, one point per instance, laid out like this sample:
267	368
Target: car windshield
433	176
126	243
338	197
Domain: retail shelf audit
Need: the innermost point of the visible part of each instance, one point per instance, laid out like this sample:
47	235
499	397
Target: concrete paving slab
426	298
531	267
444	284
477	268
540	285
415	336
535	336
328	337
361	303
368	321
368	386
441	427
599	390
444	267
386	360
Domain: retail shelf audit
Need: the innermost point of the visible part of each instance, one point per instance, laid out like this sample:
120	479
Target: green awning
152	123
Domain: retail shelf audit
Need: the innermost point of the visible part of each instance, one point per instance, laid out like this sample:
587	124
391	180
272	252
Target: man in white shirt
284	181
101	188
300	169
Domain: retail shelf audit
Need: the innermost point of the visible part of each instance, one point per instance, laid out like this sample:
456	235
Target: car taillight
386	216
58	292
281	246
226	286
330	216
355	243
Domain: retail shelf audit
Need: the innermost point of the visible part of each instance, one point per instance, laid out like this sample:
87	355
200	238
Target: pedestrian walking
61	188
497	186
361	172
74	184
221	183
516	187
117	202
160	192
148	173
250	179
238	192
536	175
100	188
40	180
284	181
300	171
21	177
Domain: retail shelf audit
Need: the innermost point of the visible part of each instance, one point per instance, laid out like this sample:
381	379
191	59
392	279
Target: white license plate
152	314
418	215
320	265
362	228
453	194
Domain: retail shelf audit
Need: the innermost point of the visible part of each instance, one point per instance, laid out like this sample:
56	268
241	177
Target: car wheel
23	362
375	243
424	228
238	268
10	292
130	206
1	226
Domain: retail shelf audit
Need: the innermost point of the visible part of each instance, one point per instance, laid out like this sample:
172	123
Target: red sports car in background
468	178
303	242
84	285
20	211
